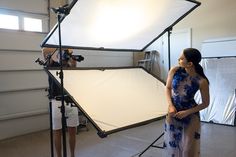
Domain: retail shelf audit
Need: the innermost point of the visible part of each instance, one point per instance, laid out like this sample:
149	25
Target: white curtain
222	76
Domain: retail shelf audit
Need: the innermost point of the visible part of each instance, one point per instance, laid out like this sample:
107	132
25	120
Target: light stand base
152	145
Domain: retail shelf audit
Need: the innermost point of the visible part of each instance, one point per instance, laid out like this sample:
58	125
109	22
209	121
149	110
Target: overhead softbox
123	25
115	99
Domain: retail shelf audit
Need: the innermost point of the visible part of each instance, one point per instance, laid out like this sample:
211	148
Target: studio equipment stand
51	130
152	145
62	12
45	64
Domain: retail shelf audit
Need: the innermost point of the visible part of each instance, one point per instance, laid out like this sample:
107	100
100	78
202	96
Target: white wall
219	47
23	98
180	39
34	6
104	58
212	19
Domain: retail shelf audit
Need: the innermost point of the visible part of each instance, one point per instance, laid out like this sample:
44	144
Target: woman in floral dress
182	126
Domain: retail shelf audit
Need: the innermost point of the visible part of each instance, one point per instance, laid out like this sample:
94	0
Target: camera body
67	55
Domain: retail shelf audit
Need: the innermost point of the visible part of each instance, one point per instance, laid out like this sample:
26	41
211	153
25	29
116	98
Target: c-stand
61	12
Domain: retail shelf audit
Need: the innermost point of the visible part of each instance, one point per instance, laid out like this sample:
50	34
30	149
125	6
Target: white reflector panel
118	24
116	99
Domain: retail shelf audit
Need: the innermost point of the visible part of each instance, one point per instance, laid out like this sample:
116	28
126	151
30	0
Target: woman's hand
181	114
172	111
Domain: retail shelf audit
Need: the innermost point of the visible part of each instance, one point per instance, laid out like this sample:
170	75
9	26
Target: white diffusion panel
116	98
119	24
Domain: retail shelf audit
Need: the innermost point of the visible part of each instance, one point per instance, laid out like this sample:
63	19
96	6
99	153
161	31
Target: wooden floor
217	141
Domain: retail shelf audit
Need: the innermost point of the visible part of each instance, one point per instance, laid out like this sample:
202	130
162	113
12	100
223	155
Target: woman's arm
171	109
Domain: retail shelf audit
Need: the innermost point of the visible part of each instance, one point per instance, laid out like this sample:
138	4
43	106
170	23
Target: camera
67	55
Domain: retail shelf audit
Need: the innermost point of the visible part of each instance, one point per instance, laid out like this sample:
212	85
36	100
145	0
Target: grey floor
217	141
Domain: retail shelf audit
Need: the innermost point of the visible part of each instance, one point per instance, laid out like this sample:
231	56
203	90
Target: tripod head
65	10
41	62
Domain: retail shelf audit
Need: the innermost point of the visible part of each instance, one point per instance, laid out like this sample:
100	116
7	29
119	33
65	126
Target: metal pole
169	59
51	130
63	118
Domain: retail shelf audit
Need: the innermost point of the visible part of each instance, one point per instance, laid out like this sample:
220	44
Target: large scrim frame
115	99
118	25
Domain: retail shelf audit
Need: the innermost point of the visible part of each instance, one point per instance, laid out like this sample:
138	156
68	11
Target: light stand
63	118
51	130
46	63
61	13
169	59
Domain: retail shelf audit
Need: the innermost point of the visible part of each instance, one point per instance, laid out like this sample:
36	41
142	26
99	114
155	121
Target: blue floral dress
182	136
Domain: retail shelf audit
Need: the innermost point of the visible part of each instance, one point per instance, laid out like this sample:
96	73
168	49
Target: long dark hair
194	56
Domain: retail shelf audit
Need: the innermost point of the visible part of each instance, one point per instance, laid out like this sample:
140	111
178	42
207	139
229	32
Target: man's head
67	58
66	54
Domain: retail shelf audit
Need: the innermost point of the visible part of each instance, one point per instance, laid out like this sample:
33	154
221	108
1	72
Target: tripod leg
151	145
51	130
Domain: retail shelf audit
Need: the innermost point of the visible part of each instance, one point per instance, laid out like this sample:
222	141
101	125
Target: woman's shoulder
174	69
203	81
